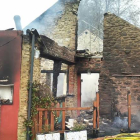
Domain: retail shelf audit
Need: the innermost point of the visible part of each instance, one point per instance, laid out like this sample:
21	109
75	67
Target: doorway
89	87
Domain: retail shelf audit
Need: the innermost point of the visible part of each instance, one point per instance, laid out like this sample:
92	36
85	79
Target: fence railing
45	119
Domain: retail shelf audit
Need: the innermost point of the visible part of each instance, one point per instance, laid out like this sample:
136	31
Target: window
6	94
61	84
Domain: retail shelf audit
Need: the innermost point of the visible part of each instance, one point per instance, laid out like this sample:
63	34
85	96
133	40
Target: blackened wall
10	62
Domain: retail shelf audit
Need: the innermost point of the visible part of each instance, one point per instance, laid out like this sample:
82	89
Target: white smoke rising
120	122
26	10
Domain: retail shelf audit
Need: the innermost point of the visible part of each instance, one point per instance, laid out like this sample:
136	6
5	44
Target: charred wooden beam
51	71
51	50
56	71
82	51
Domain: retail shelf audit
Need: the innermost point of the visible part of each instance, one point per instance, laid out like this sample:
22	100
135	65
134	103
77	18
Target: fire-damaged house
61	66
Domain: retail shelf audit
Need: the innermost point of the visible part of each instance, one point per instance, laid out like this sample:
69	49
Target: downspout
30	84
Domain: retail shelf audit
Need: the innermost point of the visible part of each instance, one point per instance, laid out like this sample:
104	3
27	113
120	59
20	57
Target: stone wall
71	100
23	94
65	33
46	64
85	65
59	23
120	72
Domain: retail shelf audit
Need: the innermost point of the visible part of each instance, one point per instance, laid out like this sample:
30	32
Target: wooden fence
45	119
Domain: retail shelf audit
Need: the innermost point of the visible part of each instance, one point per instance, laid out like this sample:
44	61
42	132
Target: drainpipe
30	84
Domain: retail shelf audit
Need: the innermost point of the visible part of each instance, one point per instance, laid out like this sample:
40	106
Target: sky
28	10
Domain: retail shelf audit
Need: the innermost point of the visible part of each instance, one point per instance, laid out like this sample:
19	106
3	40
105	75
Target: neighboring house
90	41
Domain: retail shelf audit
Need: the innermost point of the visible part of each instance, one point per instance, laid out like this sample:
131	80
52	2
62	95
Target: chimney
17	22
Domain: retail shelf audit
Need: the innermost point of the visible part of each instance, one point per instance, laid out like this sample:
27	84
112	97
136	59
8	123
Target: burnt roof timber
51	50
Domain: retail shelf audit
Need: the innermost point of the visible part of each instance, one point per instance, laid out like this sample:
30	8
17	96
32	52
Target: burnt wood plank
56	70
65	108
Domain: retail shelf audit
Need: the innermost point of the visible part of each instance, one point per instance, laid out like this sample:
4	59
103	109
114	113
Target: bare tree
92	11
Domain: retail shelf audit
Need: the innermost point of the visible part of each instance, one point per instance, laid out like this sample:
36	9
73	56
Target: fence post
57	112
129	111
40	121
46	120
52	121
97	96
63	116
94	114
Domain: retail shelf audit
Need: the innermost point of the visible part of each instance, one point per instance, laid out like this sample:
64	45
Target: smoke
46	22
120	122
135	121
137	117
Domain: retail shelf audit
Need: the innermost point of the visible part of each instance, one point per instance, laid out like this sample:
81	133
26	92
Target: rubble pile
107	127
86	117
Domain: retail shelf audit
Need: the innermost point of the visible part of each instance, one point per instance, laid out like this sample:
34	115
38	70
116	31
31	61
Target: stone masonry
63	31
25	69
120	72
82	66
59	23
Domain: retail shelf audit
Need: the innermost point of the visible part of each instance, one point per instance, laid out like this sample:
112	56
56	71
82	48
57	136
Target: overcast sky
27	9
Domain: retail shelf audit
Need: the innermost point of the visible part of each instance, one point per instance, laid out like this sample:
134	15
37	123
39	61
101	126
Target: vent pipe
17	22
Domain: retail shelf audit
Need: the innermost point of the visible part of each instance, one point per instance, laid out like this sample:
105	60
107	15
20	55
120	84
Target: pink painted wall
10	58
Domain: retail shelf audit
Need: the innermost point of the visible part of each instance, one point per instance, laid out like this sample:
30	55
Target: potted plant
78	132
48	136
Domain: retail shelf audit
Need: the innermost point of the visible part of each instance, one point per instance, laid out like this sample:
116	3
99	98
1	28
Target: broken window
62	84
6	94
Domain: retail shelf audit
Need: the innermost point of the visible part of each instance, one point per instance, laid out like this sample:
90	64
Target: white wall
89	41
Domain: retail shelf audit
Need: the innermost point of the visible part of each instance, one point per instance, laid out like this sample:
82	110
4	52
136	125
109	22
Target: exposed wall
71	100
120	72
89	64
82	66
46	64
60	24
23	97
66	30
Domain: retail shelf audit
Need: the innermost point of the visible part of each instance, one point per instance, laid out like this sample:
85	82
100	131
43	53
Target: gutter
31	82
